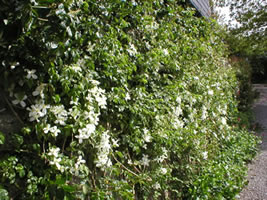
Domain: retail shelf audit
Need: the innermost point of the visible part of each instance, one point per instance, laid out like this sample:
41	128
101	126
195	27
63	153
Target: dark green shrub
258	64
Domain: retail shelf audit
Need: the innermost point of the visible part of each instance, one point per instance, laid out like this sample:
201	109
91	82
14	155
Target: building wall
203	6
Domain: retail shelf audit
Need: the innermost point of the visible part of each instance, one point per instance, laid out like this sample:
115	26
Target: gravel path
257	174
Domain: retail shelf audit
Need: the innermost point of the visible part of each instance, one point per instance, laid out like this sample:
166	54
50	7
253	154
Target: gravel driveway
257	174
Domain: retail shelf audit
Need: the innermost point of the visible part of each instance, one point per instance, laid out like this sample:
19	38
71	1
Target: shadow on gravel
260	113
263	146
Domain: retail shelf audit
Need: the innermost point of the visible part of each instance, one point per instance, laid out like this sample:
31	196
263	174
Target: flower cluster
56	158
98	94
78	166
37	111
104	149
86	132
53	130
60	113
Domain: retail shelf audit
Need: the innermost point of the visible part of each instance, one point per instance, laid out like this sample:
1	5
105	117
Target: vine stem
64	143
13	111
124	166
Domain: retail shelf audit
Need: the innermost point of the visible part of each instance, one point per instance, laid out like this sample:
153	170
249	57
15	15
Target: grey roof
203	6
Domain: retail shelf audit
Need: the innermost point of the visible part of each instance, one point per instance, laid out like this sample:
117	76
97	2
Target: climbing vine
118	100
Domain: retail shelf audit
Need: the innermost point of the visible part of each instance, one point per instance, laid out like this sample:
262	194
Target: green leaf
69	188
3	194
22	173
56	98
60	180
119	154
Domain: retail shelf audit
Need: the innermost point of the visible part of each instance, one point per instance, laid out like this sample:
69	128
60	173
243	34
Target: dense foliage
118	100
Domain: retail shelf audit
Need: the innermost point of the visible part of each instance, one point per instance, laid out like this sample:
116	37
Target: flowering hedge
118	100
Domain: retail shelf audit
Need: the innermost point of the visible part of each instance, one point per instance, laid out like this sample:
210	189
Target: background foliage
118	100
247	34
250	17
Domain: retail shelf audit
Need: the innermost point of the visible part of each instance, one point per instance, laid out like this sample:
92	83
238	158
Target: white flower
145	130
102	101
20	100
47	128
147	45
34	2
55	160
53	45
81	137
104	144
68	29
98	95
76	68
60	113
31	74
14	64
147	136
134	3
165	52
92	116
177	123
80	160
115	143
204	113
178	111
163	170
163	156
223	121
127	96
145	161
132	50
156	186
74	112
86	132
39	91
74	101
205	155
54	130
130	162
54	151
37	111
210	92
178	100
94	82
99	35
57	109
5	21
78	163
104	149
223	110
89	98
103	161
